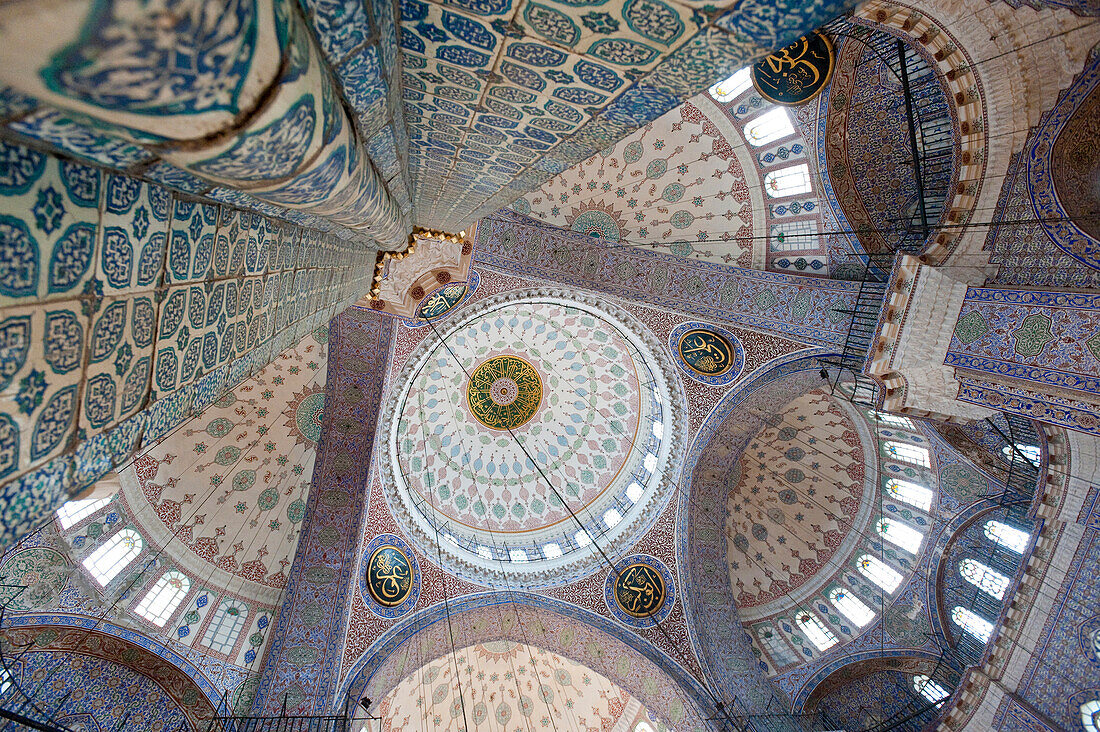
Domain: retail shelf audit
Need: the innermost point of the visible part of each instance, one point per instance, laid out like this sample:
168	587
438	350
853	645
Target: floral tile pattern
125	309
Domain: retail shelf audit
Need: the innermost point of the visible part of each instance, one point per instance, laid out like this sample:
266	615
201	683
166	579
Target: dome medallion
526	433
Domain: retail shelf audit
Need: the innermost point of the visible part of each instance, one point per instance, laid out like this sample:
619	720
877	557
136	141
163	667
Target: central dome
526	431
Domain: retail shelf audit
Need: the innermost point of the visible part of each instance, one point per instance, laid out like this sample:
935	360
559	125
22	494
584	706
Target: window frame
866	559
848	599
169	597
217	624
95	562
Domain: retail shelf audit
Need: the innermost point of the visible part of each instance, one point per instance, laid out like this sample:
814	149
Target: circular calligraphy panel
797	73
640	591
390	583
504	392
707	353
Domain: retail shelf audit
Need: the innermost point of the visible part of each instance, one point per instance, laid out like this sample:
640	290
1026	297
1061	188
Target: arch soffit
965	94
149	652
625	659
828	678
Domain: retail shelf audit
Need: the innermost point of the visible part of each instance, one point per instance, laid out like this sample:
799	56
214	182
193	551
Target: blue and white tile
44	347
133	234
450	35
191	239
167	413
49	216
181	341
635	34
82	140
30	500
120	359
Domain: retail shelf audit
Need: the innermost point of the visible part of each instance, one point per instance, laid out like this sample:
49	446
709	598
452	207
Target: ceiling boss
504	392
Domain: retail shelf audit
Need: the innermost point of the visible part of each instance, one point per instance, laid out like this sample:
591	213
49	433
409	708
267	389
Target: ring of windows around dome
574	348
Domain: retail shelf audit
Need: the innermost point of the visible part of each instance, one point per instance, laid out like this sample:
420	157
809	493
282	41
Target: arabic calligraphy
504	392
706	352
441	301
640	590
389	576
797	73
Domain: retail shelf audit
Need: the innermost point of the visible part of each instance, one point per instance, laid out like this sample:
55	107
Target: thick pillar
234	92
949	351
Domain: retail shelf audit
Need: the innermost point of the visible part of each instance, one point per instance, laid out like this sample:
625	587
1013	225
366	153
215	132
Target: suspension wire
576	519
446	597
511	596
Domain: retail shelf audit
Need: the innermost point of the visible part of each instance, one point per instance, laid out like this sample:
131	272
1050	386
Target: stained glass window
73	512
983	577
221	634
1031	452
879	572
732	87
851	607
911	493
1007	536
894	419
972	623
165	596
930	689
791	236
899	534
770	126
788	181
815	630
1090	715
907	453
772	642
112	557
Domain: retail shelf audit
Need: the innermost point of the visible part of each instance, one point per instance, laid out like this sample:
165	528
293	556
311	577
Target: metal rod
913	137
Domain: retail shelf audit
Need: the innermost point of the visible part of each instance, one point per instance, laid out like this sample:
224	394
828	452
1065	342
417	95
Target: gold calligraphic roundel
640	590
504	392
389	576
706	352
797	73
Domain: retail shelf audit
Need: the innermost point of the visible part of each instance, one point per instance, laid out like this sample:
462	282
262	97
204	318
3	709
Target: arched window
643	727
879	572
900	535
221	634
815	630
73	512
162	600
984	578
769	126
734	86
972	623
777	648
929	689
1031	452
851	607
894	419
788	181
1006	536
1090	715
113	555
911	493
907	453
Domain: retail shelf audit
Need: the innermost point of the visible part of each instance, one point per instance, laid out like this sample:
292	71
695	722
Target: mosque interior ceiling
498	364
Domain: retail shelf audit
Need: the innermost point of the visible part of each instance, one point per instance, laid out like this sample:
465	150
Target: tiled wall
125	309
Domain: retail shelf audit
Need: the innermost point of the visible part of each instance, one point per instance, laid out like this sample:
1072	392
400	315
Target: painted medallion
797	73
504	392
389	576
441	301
640	590
706	352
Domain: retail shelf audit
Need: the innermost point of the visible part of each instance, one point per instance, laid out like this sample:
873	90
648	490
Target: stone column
956	353
234	92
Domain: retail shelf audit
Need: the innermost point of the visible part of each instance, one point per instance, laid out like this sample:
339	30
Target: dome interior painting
501	365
